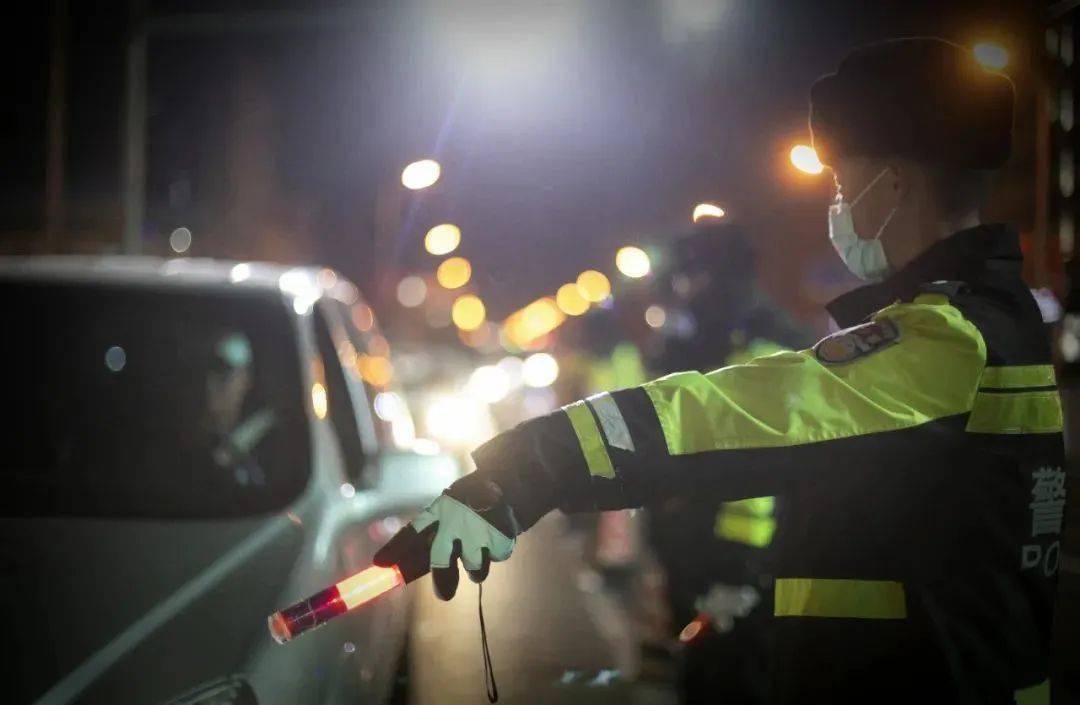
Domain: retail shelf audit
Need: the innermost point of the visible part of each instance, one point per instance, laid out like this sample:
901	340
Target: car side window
339	406
380	429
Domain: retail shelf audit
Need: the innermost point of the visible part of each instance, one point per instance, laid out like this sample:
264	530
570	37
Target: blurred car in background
191	447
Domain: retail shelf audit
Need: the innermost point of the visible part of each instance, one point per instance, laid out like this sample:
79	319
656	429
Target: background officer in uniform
719	597
920	448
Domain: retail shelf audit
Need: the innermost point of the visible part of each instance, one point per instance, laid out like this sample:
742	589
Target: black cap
713	247
921	98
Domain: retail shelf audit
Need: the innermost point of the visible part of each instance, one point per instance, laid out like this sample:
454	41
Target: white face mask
864	257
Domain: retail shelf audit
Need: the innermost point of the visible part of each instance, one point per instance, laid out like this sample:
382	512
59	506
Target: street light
594	286
442	239
805	159
454	273
570	301
991	55
655	316
707	210
411	291
540	370
633	262
533	321
468	312
421	174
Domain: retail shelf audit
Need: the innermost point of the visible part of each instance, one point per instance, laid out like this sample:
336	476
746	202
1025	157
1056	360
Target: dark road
555	636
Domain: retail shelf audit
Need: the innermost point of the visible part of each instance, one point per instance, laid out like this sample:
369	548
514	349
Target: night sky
565	129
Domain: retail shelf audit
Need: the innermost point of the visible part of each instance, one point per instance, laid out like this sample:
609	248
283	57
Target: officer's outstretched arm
740	431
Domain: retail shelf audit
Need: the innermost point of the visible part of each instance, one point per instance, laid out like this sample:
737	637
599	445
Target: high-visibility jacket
750	521
921	452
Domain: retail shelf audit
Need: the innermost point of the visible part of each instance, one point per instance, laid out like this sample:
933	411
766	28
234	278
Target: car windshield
129	401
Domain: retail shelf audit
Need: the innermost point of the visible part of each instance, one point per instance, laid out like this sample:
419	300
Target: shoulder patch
857	341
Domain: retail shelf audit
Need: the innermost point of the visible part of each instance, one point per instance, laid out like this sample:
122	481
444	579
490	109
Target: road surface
556	636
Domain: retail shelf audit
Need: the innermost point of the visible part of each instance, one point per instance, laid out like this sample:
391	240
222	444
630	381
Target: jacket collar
963	256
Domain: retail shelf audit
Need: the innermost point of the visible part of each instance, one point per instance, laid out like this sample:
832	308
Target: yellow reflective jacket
920	449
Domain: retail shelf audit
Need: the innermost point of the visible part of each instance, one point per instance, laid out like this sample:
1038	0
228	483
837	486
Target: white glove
476	539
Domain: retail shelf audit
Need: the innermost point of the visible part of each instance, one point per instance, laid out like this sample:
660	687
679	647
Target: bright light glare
633	262
540	370
180	240
240	272
455	419
991	56
347	490
594	286
299	284
420	174
655	316
375	369
570	300
442	239
326	279
489	383
318	400
468	312
512	367
805	159
389	405
425	446
454	273
411	291
535	320
707	210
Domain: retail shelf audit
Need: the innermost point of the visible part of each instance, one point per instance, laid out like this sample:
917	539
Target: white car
191	446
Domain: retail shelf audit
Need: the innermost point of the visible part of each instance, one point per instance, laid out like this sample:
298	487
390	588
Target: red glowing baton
357	589
335	600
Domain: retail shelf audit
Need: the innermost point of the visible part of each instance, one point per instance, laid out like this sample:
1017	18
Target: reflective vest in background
750	522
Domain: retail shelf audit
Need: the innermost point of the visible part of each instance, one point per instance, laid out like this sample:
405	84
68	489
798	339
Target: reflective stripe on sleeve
1016	412
854	599
618	435
1018	377
592	443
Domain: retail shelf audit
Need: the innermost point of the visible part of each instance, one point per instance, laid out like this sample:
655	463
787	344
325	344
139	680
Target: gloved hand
470	521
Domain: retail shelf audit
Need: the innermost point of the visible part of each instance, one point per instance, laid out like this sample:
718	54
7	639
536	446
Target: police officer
920	447
719	596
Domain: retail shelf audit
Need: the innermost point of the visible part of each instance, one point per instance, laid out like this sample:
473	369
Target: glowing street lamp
991	56
707	210
442	239
805	159
468	312
570	300
540	370
593	285
533	321
655	316
633	262
421	174
411	291
454	273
